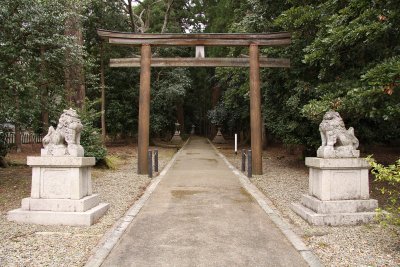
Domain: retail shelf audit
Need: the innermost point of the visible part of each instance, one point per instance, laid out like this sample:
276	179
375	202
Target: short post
235	144
150	163
243	160
156	160
249	167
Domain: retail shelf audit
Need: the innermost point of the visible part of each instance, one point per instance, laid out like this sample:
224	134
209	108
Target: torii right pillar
255	110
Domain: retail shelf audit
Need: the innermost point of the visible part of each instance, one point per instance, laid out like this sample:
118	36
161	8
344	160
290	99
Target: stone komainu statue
337	142
65	139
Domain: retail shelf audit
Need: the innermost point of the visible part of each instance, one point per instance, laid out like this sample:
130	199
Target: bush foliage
90	135
4	147
390	175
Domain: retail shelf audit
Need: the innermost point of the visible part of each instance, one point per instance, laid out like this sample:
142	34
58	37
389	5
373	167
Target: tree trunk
180	116
103	95
216	94
74	69
3	163
166	15
18	141
130	12
44	90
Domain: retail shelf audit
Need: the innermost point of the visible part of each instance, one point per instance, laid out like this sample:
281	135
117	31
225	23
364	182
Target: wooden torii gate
145	62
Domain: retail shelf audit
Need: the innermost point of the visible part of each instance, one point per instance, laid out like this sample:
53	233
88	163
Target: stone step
339	206
70	205
86	218
332	219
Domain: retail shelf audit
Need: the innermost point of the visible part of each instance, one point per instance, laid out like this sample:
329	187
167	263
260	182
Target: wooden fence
26	138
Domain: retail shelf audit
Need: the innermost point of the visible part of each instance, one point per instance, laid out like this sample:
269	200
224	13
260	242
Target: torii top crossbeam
196	39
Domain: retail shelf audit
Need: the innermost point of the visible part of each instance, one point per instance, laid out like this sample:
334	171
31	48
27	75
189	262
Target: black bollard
150	162
243	160
249	167
156	160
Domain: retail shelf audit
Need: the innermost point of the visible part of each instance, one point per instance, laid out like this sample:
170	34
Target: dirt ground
15	181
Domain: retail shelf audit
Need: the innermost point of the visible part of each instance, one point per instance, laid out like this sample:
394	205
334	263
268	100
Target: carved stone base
338	179
61	193
62	150
338	192
340	152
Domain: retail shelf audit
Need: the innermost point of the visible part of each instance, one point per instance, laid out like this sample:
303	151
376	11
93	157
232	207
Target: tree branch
166	15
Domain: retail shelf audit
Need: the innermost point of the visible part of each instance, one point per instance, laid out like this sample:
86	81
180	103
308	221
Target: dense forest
345	55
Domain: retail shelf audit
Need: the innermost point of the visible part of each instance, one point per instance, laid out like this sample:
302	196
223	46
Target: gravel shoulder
284	180
38	245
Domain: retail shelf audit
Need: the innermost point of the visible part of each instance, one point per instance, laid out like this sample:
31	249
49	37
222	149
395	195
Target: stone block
68	205
61	177
334	219
339	163
341	152
338	179
86	218
339	206
61	161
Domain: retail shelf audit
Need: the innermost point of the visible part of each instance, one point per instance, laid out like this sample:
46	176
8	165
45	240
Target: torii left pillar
144	109
255	110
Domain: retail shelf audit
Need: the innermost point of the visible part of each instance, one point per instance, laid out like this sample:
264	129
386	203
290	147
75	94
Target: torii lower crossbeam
201	62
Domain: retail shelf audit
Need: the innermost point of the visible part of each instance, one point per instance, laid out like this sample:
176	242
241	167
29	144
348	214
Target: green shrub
390	175
91	142
4	148
90	135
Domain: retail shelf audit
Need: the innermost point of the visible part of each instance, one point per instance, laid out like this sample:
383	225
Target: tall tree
74	65
344	55
29	60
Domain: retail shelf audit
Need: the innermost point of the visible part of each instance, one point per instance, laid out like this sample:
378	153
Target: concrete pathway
200	215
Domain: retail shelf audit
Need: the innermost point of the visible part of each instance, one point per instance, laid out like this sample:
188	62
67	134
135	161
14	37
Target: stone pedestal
61	193
176	139
338	192
219	138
